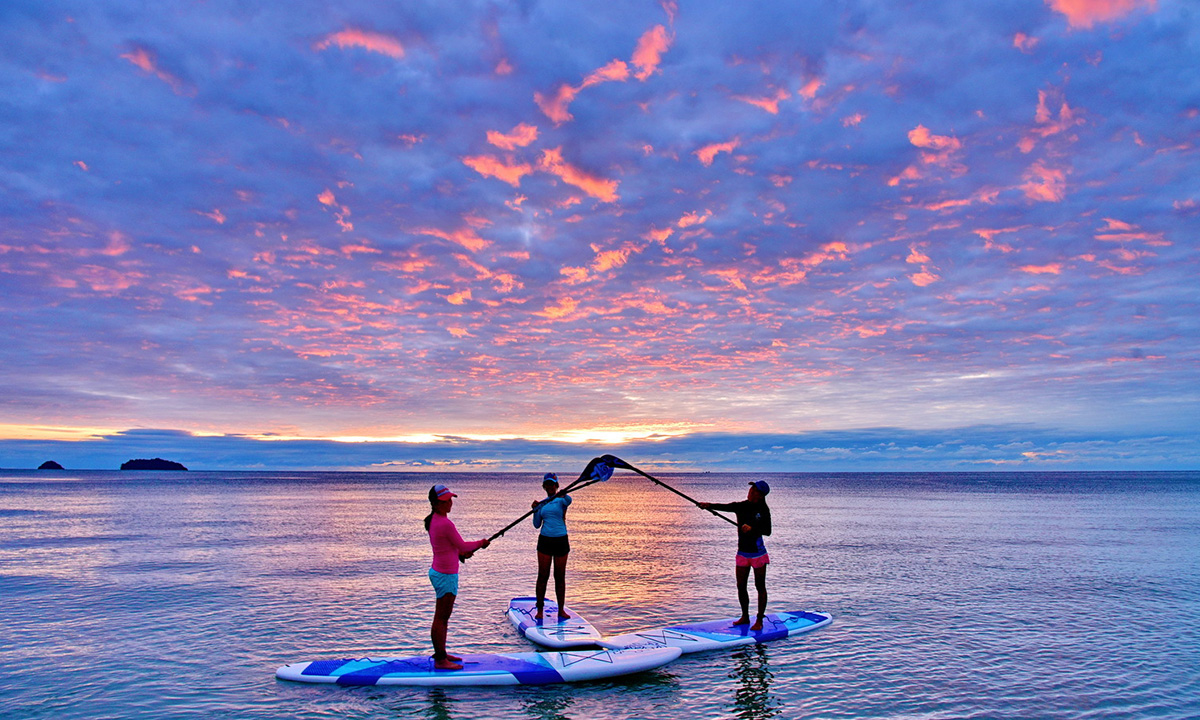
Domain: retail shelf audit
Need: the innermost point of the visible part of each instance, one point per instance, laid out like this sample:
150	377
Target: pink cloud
555	106
1024	42
658	236
1118	231
459	298
565	307
147	60
615	71
463	236
81	165
692	218
575	275
853	120
937	150
118	244
1047	269
649	51
989	238
923	278
916	257
366	39
1044	184
608	259
709	152
216	215
520	136
770	104
553	163
1047	125
1085	13
921	137
646	57
808	91
491	167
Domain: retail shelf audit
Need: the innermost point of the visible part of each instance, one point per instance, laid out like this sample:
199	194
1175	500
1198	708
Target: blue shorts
443	583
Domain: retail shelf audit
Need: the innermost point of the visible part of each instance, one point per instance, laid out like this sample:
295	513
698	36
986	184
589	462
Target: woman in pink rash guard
448	548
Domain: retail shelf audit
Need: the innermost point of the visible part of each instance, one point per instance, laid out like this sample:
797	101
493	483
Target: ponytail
433	504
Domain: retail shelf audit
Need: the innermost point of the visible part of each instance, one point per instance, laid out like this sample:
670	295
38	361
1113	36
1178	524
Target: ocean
954	595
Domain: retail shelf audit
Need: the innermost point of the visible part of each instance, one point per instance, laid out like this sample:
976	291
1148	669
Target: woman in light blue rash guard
551	516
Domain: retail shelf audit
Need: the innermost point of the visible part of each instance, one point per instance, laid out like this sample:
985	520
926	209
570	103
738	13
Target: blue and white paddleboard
551	631
528	668
720	633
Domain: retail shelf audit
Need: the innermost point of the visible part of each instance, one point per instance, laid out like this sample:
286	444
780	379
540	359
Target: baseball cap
440	492
761	486
549	478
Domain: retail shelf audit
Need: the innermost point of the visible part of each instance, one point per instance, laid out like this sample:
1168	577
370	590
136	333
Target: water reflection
439	705
553	707
752	699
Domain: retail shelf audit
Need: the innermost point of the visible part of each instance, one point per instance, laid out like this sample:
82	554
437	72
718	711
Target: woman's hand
745	528
486	542
705	506
533	505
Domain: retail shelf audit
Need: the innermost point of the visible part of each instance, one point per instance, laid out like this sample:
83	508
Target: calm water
953	595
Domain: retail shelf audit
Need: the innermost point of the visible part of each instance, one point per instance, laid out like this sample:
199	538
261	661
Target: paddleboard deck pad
550	631
528	668
698	637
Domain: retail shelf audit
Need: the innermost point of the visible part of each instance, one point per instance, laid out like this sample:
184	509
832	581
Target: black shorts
553	546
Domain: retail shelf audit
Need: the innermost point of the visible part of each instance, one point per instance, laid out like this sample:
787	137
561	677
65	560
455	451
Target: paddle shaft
693	501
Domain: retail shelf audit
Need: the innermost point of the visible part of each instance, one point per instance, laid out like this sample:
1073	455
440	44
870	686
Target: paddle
618	462
597	470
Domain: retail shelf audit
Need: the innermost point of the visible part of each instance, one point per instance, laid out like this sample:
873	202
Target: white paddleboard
696	637
550	631
528	668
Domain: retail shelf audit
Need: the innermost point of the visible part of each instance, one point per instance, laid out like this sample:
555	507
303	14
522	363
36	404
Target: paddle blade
601	471
614	461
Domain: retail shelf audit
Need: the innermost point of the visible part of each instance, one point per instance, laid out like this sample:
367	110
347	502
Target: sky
857	235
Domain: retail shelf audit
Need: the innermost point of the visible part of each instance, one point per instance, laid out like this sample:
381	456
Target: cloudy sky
710	235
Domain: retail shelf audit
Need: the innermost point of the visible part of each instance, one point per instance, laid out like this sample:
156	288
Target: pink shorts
754	562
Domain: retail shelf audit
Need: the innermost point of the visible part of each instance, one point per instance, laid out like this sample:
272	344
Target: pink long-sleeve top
447	544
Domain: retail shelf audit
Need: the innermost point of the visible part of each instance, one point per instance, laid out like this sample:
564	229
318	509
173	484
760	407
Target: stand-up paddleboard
550	631
720	633
528	668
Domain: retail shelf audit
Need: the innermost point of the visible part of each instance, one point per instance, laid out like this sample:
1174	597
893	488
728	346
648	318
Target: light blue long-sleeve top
552	517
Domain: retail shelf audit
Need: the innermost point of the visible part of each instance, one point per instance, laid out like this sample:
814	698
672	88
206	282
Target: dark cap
761	486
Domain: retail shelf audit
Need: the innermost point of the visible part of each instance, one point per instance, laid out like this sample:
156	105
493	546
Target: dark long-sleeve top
755	514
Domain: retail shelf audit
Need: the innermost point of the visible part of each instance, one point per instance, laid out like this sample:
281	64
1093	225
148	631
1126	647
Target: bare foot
757	624
538	616
562	615
454	658
446	664
743	620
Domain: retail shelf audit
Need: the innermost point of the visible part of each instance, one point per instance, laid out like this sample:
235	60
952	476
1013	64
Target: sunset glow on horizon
473	234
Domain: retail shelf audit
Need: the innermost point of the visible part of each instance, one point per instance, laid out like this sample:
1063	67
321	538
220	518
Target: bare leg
560	586
743	574
543	576
437	633
760	584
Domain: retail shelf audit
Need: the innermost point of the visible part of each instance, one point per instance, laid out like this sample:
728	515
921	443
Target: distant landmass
153	464
50	465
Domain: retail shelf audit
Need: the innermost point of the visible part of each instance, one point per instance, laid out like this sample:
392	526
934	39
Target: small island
153	464
50	465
